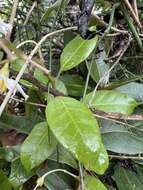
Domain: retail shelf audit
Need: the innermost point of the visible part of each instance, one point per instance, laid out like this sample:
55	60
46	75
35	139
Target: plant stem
132	27
122	157
53	171
29	58
111	68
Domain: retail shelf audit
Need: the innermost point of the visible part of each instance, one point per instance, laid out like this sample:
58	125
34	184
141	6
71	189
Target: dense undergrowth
71	93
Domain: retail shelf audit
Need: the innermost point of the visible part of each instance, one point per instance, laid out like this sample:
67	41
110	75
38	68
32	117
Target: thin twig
119	116
133	13
114	120
103	23
30	12
112	67
12	57
132	26
42	178
81	177
10	92
12	17
30	103
135	7
32	42
123	157
4	103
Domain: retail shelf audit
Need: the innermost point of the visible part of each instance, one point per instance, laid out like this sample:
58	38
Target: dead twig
135	7
119	116
12	17
30	12
134	16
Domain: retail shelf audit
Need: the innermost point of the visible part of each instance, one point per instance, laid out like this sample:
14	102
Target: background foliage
71	107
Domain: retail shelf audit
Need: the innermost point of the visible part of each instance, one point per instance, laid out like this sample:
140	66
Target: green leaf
4	182
8	153
62	155
37	147
77	130
117	84
39	75
74	84
53	8
98	68
18	175
58	180
76	51
22	124
127	179
60	86
93	183
111	101
28	84
17	64
133	89
117	138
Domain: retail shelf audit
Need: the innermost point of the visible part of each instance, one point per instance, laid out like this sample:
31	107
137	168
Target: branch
29	58
128	5
123	157
13	14
118	116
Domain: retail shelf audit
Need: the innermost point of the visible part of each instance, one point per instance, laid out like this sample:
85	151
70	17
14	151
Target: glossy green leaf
77	130
93	183
76	51
117	138
62	155
4	182
18	175
37	147
127	179
74	84
111	101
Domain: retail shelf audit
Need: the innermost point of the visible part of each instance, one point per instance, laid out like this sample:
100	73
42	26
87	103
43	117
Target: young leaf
76	51
37	147
111	101
77	130
92	183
